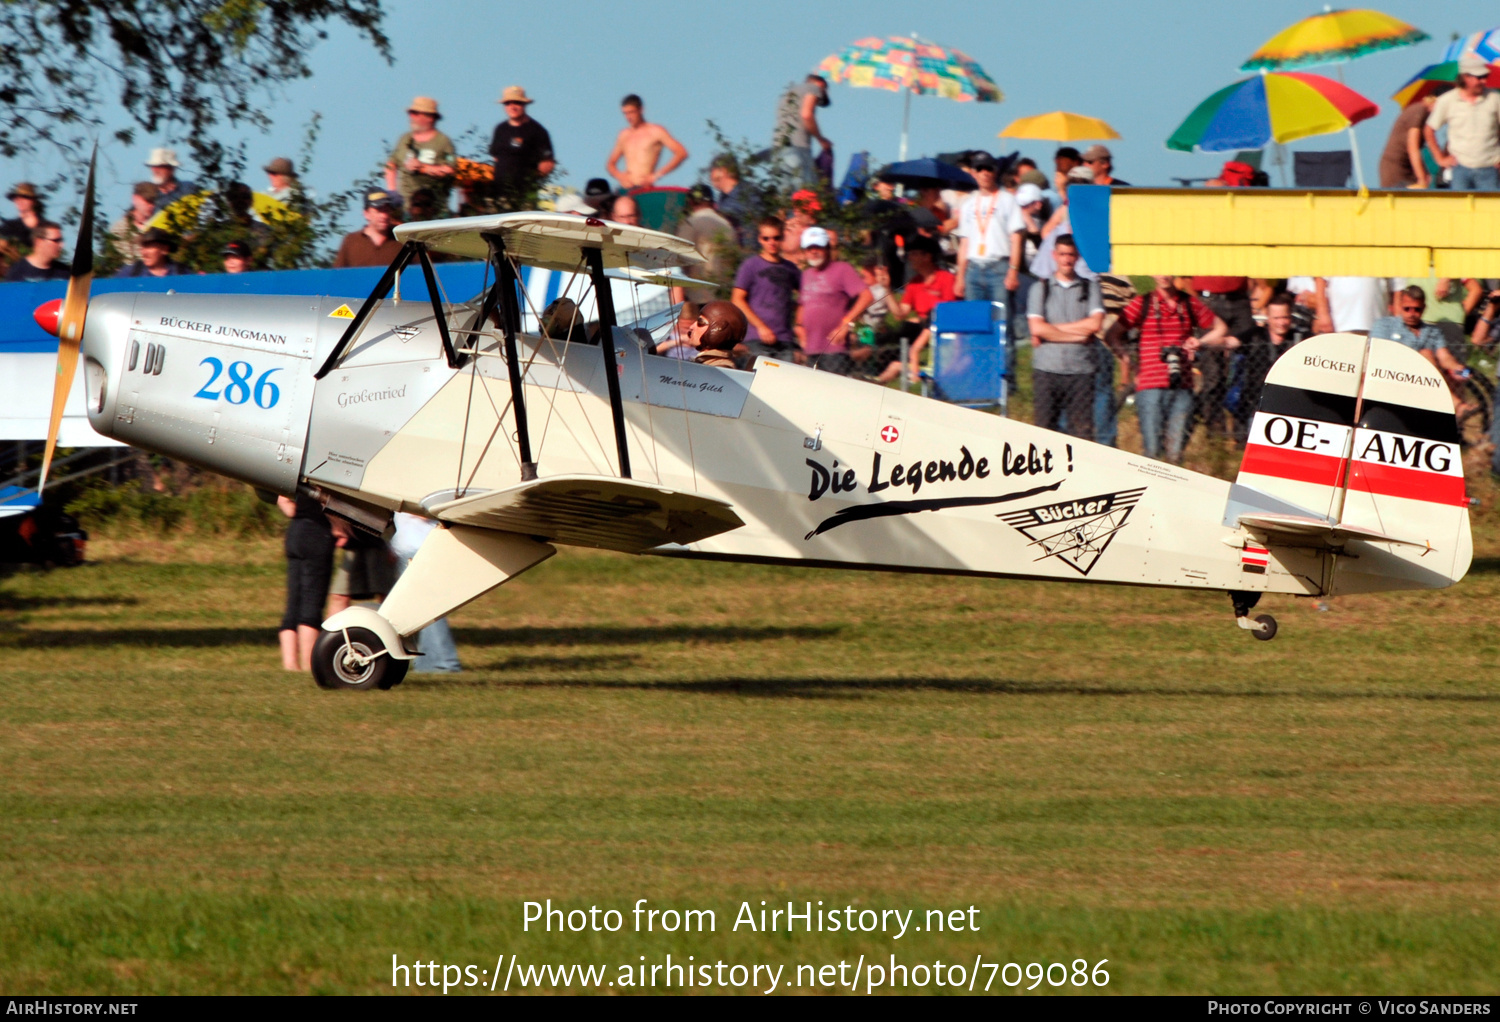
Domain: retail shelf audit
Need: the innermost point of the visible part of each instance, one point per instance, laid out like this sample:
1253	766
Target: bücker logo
1076	532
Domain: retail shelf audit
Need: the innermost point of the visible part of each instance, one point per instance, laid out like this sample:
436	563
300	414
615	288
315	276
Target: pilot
718	329
562	322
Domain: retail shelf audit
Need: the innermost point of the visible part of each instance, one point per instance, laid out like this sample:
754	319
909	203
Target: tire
332	669
1265	633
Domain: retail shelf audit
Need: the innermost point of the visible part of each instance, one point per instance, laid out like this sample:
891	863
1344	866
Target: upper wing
553	240
594	511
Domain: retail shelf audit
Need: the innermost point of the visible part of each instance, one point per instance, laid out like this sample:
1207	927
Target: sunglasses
56	241
770	237
702	321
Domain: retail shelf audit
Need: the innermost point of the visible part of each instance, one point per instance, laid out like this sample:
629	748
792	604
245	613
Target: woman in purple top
764	288
834	296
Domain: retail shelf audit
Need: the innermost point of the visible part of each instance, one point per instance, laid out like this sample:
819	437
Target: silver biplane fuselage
516	442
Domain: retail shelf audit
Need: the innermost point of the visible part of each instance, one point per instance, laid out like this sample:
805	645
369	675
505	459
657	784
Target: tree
179	68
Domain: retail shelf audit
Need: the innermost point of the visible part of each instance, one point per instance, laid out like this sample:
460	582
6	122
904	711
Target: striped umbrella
911	65
1332	37
1434	76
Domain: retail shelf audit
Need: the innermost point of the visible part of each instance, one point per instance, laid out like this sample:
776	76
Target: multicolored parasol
1059	126
1270	108
1332	38
1433	77
912	65
1486	44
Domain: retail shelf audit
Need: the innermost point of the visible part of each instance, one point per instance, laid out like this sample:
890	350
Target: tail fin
1356	437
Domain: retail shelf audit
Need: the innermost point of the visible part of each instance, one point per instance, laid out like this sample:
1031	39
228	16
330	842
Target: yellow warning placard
342	312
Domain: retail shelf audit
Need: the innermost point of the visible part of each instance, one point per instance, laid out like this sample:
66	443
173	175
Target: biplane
517	441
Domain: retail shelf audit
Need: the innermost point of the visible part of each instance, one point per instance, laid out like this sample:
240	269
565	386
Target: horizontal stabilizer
594	511
1332	534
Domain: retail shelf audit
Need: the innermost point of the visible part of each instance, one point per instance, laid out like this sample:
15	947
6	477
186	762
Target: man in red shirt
1166	318
926	286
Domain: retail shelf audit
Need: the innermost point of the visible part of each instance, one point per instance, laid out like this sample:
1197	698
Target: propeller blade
75	308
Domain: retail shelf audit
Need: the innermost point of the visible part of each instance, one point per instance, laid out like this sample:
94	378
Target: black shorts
309	566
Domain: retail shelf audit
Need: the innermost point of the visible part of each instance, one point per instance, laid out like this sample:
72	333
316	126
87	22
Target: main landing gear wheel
1266	627
360	662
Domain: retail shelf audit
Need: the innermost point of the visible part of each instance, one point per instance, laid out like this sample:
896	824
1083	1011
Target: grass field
1105	773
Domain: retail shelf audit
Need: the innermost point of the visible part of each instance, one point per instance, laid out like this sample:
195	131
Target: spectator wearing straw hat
423	157
1471	113
522	151
164	165
29	214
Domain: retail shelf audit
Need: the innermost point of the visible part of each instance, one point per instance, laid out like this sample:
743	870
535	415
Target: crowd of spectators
847	280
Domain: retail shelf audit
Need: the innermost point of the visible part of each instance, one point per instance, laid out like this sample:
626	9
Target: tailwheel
1265	627
355	658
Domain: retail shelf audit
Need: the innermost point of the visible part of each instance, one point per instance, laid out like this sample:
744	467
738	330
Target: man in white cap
834	296
1471	113
522	151
164	166
423	157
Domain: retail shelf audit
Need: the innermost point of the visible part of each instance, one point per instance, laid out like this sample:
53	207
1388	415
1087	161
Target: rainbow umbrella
1434	76
914	66
1270	108
1059	126
1332	38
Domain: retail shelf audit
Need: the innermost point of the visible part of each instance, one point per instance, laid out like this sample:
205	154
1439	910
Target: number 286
239	390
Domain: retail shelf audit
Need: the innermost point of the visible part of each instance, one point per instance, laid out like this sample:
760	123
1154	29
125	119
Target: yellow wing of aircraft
517	442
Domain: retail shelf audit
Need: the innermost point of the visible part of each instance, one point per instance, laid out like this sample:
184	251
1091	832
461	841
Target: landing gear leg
1264	625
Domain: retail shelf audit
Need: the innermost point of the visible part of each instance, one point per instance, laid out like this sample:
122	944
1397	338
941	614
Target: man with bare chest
640	145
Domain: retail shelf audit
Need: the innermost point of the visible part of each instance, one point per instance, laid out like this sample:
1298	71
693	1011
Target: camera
1173	356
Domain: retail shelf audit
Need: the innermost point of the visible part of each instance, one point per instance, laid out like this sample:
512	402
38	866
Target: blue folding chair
970	355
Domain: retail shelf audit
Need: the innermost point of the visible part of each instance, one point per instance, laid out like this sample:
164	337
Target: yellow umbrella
1059	126
1332	37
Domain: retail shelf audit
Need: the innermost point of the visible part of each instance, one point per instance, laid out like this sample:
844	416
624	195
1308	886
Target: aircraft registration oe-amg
517	443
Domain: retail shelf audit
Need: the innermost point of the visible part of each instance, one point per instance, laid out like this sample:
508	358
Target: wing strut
604	297
504	292
410	250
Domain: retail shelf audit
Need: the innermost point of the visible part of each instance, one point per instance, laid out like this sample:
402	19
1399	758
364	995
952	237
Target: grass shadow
1485	566
637	635
643	635
11	601
835	688
147	638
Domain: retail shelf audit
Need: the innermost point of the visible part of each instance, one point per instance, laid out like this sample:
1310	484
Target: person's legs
307	638
1148	410
1474	179
437	651
1179	407
1080	404
1106	418
1047	391
288	637
1209	402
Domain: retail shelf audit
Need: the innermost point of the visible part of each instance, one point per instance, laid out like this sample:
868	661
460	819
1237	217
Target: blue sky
1141	66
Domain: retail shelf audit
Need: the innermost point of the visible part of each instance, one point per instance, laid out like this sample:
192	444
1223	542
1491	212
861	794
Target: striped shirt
1162	322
